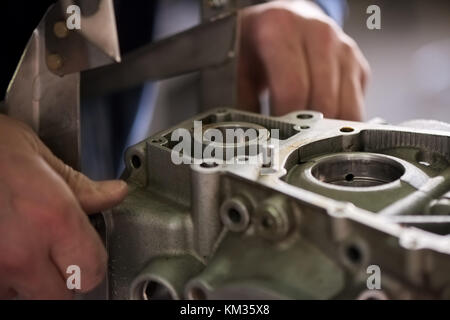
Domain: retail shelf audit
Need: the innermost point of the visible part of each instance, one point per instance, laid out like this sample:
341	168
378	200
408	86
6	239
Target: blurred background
409	56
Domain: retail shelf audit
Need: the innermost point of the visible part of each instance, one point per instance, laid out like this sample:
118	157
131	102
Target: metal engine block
341	200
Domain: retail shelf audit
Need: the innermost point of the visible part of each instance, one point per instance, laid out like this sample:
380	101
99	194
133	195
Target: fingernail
114	186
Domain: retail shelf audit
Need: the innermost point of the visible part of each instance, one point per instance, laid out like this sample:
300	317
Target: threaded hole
153	290
234	216
136	162
354	254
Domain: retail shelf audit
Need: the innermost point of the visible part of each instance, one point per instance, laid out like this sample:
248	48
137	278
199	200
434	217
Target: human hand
304	59
43	223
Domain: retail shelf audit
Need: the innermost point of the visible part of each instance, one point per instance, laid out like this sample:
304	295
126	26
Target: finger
77	244
66	231
284	62
250	72
7	293
365	74
93	196
30	272
248	93
324	69
364	69
353	51
42	282
288	80
351	96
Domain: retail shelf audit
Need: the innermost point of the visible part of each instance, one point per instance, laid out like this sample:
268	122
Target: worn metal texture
44	92
188	51
211	48
341	196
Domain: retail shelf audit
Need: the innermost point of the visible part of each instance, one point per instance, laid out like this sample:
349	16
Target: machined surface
45	89
340	197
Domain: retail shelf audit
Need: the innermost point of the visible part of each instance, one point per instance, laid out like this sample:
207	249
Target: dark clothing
17	23
20	19
134	27
134	24
106	121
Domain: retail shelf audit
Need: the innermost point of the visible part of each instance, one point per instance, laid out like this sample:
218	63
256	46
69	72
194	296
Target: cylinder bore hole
136	162
153	290
357	170
234	133
197	293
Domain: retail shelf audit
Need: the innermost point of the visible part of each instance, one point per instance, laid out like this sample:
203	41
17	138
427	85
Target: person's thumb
93	196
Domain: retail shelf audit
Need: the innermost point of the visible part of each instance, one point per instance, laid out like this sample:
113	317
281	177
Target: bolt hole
209	165
304	116
197	294
136	162
234	216
349	177
267	222
354	254
347	129
153	290
304	127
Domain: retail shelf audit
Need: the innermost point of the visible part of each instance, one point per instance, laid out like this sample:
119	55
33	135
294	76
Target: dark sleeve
18	20
336	9
134	23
